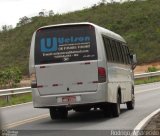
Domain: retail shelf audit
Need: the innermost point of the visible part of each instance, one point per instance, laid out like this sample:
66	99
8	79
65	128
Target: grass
147	80
15	99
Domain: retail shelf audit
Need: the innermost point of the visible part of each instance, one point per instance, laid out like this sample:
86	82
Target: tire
115	107
131	104
59	113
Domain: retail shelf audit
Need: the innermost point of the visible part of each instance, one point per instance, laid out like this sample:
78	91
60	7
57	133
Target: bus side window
114	51
108	49
122	54
126	54
119	52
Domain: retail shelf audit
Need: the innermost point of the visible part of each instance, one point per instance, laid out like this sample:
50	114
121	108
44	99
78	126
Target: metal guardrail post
8	97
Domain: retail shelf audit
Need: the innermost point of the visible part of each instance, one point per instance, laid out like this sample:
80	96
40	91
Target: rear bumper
92	98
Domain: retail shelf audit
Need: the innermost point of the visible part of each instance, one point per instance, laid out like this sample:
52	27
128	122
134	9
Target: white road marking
144	122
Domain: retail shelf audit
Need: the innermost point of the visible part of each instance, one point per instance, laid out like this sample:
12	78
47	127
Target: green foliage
137	22
10	77
24	20
147	80
152	69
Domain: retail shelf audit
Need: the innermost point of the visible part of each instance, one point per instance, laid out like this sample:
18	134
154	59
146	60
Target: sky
12	10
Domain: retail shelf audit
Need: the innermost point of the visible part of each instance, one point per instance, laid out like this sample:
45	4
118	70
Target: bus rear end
64	72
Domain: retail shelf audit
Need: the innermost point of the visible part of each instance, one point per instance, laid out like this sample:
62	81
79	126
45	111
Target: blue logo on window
51	44
48	44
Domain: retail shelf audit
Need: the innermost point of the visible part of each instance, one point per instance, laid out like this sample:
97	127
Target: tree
51	13
102	2
24	20
41	13
6	28
94	6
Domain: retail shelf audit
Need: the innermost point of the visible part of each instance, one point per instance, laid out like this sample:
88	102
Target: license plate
68	99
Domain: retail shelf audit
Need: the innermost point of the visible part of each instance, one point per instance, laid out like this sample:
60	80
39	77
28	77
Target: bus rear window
65	44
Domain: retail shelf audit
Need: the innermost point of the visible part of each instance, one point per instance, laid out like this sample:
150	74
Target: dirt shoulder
144	67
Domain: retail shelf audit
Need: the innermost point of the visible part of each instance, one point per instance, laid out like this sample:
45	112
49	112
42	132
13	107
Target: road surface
37	121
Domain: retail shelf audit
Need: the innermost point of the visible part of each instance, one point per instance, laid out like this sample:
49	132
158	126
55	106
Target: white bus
80	66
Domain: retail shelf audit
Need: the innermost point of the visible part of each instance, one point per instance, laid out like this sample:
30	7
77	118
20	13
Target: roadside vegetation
10	77
15	99
149	79
152	69
137	22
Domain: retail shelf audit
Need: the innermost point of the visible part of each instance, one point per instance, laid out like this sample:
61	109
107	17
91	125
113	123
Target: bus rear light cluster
101	74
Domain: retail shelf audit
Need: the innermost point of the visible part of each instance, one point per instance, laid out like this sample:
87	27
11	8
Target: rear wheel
131	104
58	113
115	107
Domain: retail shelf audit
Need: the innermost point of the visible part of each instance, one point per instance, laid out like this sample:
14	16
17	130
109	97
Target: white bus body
80	66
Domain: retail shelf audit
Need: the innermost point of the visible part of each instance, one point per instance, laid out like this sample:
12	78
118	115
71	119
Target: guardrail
144	75
14	91
7	92
23	90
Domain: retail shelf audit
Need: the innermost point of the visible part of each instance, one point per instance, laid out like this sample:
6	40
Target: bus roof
102	30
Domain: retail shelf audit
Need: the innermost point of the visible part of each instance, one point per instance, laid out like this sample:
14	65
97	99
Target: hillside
138	22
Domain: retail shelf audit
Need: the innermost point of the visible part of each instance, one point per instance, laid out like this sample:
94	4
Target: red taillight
101	74
102	71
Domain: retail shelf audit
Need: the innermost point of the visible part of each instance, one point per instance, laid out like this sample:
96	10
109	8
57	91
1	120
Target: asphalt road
37	121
